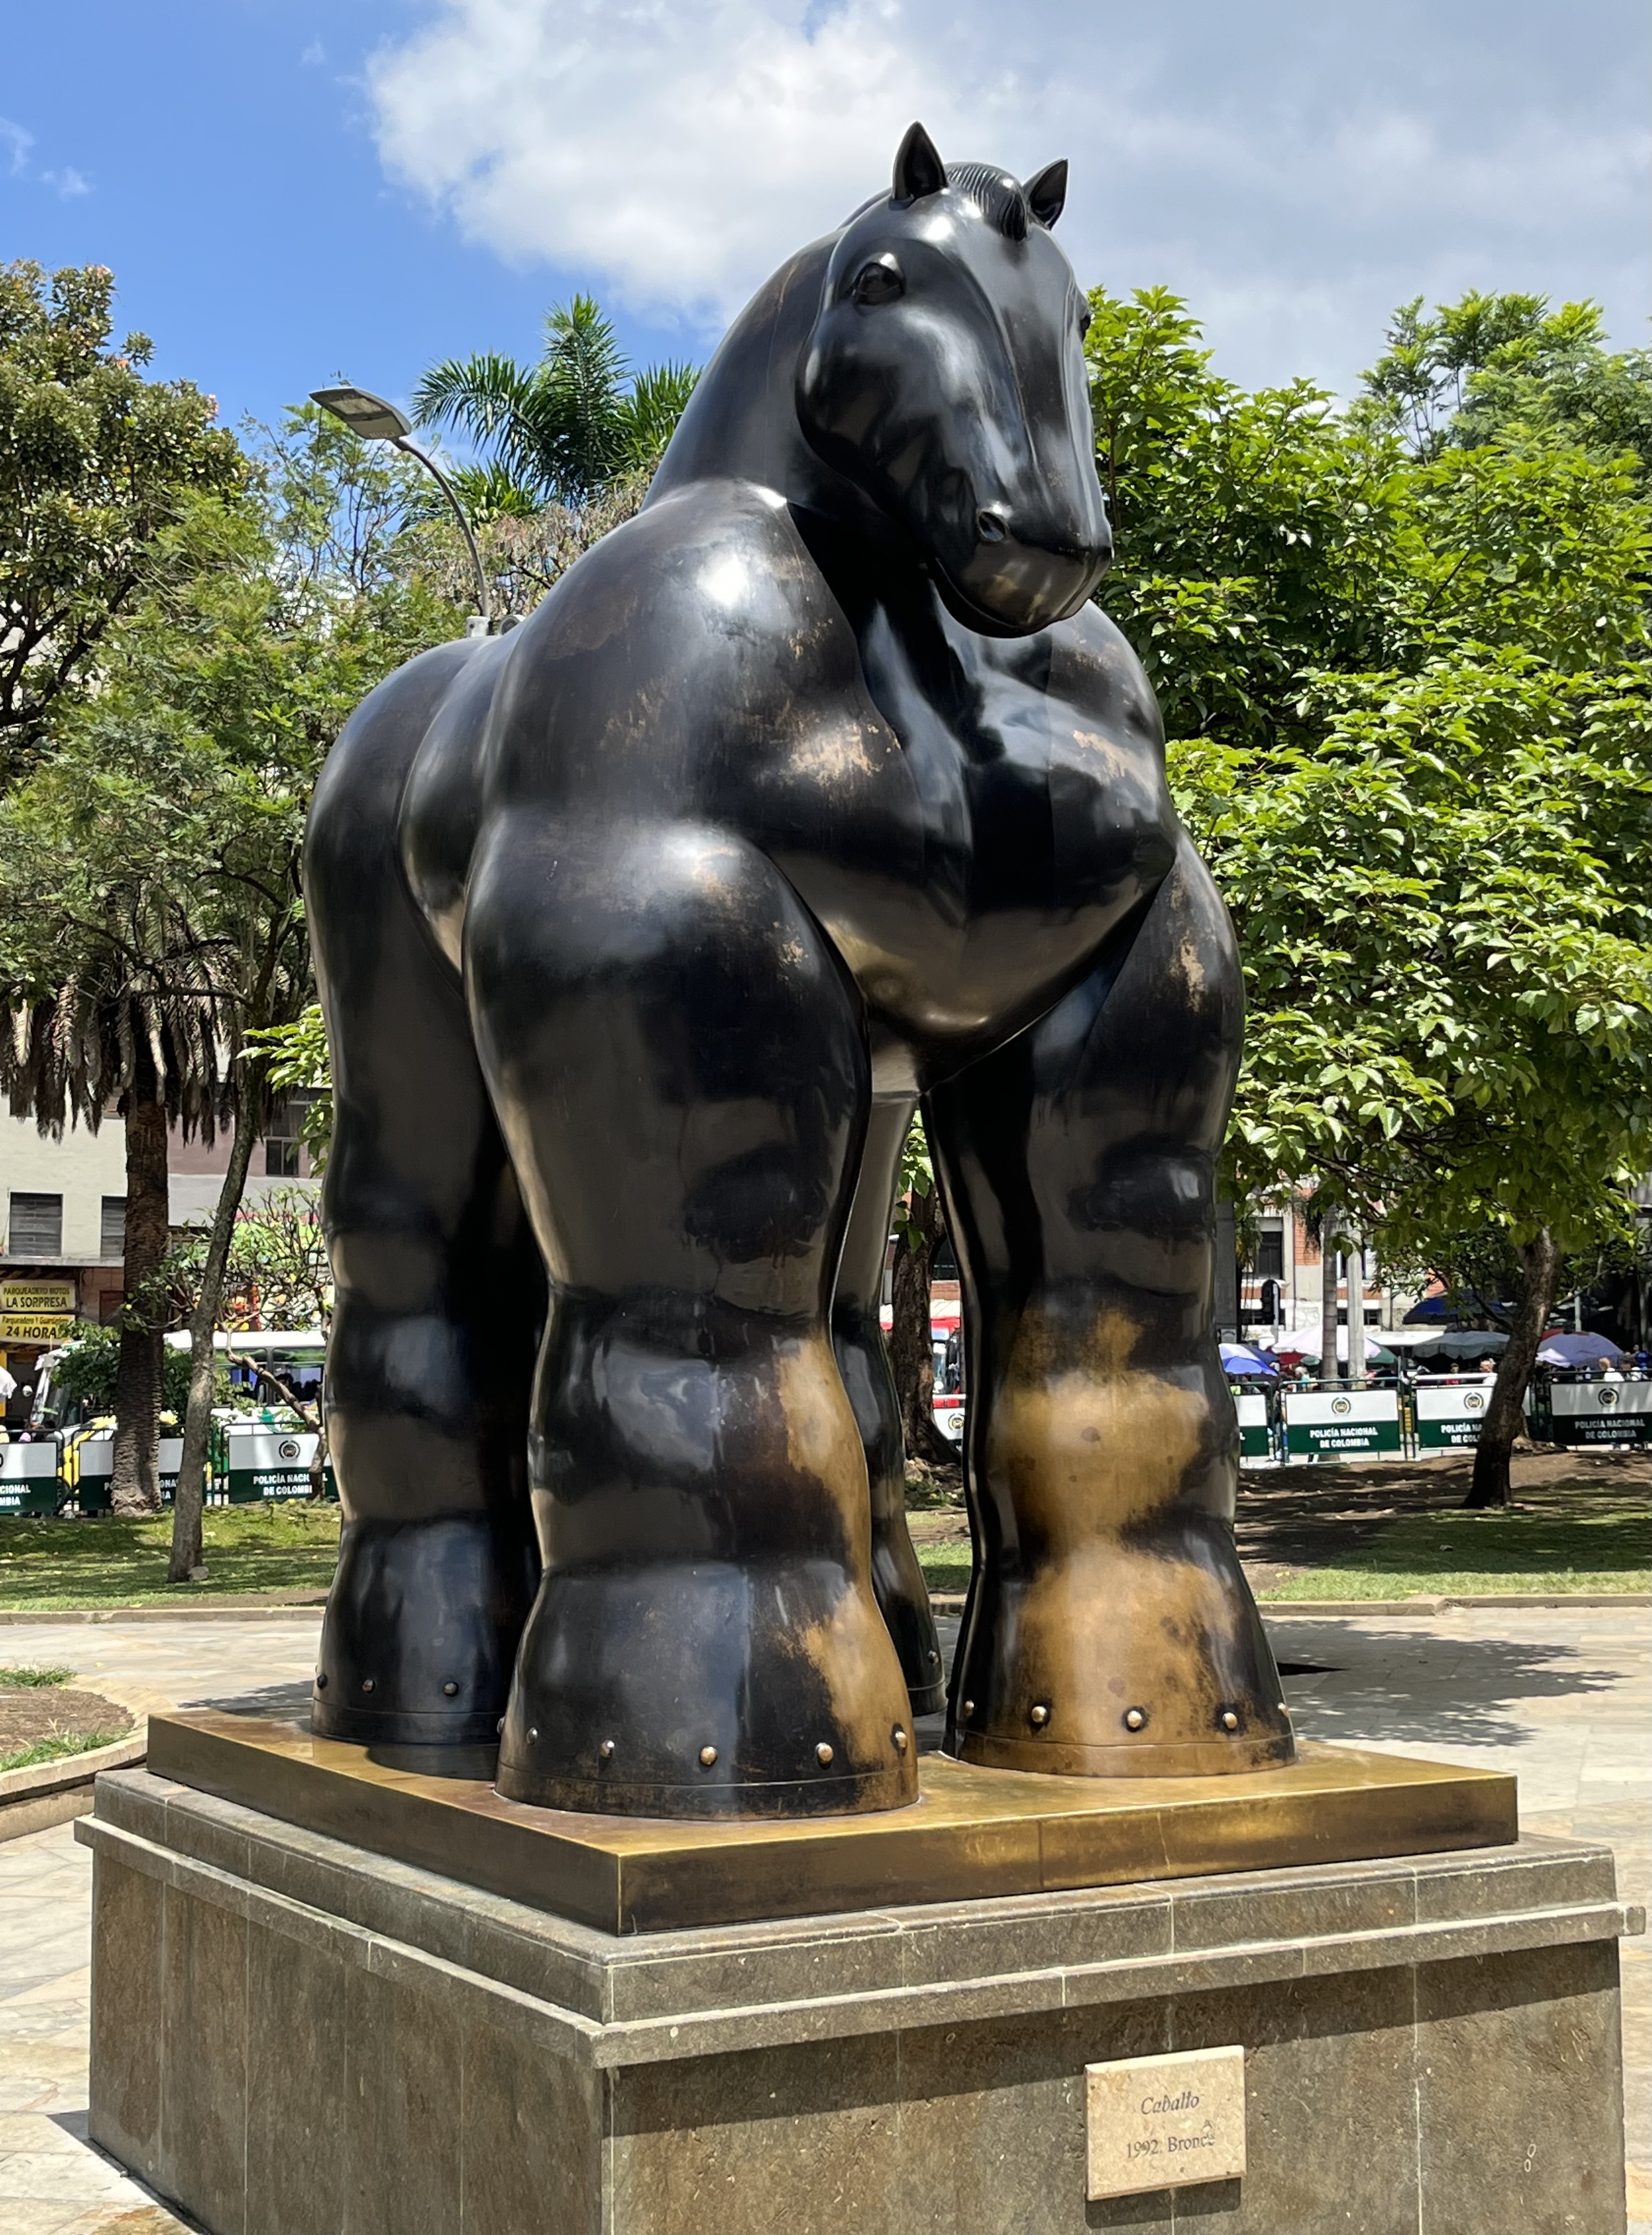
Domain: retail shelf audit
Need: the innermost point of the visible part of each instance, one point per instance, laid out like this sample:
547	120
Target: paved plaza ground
1560	1695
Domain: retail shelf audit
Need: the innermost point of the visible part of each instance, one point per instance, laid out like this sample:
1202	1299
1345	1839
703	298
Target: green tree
563	430
94	463
920	1229
1407	728
149	868
1505	368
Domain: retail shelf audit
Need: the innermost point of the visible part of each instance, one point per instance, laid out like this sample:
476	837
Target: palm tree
563	430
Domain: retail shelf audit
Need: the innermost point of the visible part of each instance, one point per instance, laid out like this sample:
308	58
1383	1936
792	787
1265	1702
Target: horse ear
1047	193
918	169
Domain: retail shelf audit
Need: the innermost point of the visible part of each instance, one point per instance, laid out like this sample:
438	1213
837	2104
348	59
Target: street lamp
375	420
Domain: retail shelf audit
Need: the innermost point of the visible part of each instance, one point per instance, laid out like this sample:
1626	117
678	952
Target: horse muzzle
1012	584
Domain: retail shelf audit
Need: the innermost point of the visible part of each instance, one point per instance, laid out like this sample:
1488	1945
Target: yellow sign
36	1296
36	1327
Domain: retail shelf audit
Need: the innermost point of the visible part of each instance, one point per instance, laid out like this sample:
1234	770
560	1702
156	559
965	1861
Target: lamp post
375	420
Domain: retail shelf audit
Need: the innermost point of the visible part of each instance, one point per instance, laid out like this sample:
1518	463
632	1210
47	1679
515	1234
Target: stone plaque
1165	2121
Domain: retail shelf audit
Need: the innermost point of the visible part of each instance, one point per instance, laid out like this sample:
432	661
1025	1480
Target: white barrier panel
28	1473
1332	1425
267	1463
1256	1441
1449	1418
949	1417
94	1465
1601	1411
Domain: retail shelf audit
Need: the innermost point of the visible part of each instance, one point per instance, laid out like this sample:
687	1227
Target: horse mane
1000	198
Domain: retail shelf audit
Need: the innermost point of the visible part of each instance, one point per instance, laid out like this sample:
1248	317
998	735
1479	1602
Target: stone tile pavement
1560	1696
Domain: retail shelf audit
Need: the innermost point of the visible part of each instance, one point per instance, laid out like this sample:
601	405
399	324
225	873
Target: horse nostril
991	527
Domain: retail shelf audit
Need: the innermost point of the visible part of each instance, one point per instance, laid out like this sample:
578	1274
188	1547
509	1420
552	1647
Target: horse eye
1084	320
879	282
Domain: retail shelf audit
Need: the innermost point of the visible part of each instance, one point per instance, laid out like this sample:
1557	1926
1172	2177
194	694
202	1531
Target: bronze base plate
972	1832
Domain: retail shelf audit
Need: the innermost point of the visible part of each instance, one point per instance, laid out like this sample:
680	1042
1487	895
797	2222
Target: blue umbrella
1240	1358
1578	1349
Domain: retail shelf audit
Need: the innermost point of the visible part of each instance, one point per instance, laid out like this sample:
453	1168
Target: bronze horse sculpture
819	788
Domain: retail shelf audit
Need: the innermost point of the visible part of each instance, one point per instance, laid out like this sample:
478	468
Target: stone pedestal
293	2035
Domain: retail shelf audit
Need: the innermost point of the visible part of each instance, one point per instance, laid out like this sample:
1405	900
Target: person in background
1609	1371
1488	1365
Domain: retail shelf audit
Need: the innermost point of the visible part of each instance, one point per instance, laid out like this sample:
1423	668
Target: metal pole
403	443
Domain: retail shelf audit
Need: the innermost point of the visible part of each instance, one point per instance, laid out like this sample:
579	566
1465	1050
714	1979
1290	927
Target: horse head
944	377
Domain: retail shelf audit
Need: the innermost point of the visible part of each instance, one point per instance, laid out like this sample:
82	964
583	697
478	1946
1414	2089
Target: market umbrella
1306	1348
1462	1342
1577	1350
1240	1358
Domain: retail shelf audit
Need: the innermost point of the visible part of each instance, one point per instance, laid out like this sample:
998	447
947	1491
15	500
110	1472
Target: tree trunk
912	1354
1354	1255
1539	1271
134	1486
203	1323
1327	1297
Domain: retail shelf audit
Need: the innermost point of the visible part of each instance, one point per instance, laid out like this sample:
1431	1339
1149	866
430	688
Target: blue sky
232	182
287	190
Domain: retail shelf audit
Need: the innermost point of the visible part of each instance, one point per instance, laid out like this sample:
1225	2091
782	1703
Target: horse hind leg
863	1360
439	1294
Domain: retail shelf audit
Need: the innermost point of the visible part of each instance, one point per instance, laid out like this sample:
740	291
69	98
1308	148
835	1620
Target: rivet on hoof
605	1751
899	1737
1283	1709
823	1755
498	1729
969	1707
320	1681
934	1658
1135	1719
707	1755
533	1737
1229	1720
1040	1716
450	1691
367	1684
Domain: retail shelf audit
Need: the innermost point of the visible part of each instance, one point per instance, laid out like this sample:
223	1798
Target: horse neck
740	423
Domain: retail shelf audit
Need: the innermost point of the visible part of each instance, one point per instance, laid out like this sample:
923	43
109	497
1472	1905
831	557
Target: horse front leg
679	1062
1109	1630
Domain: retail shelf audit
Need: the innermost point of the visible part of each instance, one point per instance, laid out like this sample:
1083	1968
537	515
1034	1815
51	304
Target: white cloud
1274	161
69	182
15	144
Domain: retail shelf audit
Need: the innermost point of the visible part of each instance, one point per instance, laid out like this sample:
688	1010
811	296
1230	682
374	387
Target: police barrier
1336	1424
90	1468
1255	1429
1450	1412
263	1462
32	1477
948	1416
1571	1412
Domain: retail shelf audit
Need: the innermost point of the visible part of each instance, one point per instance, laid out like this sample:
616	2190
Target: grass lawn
1548	1543
1582	1534
1336	1536
286	1545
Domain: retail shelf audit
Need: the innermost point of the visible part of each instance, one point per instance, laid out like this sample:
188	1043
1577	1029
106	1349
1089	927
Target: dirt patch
60	1711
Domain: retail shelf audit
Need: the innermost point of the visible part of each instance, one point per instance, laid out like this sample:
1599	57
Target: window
112	1227
1269	1263
37	1226
283	1138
